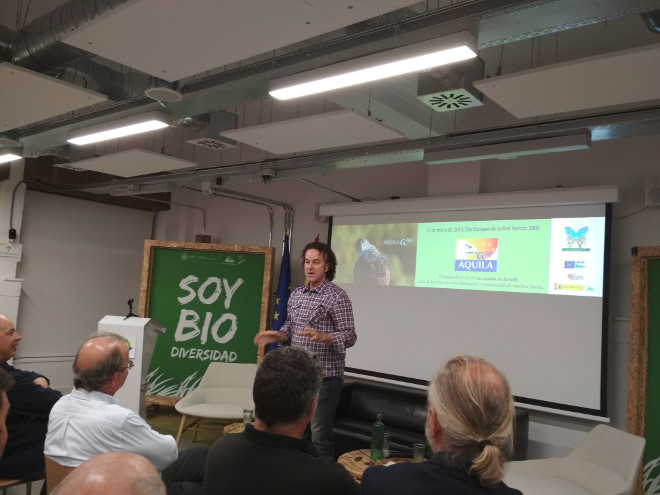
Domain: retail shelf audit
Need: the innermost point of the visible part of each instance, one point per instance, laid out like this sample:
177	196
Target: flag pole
283	290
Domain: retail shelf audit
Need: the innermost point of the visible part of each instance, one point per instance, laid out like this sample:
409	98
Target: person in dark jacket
6	382
31	400
272	456
469	425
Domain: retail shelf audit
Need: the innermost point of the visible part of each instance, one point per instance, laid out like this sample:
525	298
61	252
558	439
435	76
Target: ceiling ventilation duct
37	47
217	122
450	88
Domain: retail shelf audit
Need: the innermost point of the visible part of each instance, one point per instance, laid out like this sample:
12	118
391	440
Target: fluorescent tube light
120	128
10	150
402	60
8	156
509	150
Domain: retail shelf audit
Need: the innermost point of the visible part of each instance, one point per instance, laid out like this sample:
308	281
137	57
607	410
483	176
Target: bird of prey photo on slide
372	267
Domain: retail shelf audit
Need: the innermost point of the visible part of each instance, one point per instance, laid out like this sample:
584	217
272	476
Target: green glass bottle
377	433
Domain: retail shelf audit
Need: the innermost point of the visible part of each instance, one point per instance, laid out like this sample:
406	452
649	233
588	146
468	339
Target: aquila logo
476	255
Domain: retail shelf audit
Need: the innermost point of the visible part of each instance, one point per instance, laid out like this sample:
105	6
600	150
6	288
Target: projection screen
518	278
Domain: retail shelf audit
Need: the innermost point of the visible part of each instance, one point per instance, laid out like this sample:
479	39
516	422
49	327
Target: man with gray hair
90	421
271	456
469	424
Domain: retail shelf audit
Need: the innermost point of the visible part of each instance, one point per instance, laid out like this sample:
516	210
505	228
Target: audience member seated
90	421
271	456
114	473
469	427
6	382
31	400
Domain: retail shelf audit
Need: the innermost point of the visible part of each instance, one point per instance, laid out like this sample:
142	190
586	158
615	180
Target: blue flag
283	291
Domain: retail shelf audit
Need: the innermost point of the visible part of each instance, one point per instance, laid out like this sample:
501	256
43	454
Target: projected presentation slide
546	256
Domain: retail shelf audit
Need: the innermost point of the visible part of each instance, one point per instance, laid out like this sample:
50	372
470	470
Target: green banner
652	433
211	305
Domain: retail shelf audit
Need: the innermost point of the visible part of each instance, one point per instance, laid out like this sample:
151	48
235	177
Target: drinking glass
247	416
386	445
419	449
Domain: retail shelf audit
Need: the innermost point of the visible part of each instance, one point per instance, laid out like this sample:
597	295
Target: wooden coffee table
234	428
356	461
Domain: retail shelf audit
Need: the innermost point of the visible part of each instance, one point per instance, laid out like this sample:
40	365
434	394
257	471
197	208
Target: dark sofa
404	415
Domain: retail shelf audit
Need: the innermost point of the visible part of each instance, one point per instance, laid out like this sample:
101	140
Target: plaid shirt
326	309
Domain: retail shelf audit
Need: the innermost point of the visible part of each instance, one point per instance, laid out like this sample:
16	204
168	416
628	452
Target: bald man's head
101	363
113	473
9	339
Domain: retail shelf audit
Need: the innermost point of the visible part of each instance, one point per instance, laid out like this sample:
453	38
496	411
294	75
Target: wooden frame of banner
639	342
638	360
145	285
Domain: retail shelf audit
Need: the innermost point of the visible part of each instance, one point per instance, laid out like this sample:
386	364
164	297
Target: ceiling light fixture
120	128
10	154
395	62
509	150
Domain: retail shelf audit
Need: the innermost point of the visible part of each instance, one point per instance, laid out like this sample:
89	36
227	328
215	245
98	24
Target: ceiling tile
616	78
156	40
315	132
347	12
132	163
22	88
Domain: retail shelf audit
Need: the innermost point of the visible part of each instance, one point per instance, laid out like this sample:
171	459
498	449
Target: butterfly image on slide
573	237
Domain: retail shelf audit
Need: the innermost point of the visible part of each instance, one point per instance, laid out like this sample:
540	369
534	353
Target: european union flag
283	291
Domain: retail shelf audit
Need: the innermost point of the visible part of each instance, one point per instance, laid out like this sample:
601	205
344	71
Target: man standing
320	319
31	400
271	456
90	421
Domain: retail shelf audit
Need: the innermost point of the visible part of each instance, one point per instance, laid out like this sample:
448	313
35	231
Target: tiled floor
164	419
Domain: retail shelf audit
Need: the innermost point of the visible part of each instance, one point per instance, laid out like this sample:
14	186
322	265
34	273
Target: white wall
81	261
10	191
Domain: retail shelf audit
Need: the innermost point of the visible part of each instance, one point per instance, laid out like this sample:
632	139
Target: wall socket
652	196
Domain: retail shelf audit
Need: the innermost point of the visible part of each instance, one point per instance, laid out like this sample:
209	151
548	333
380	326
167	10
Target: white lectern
141	333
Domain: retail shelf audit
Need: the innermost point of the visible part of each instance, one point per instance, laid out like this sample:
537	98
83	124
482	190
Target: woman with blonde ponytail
469	425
